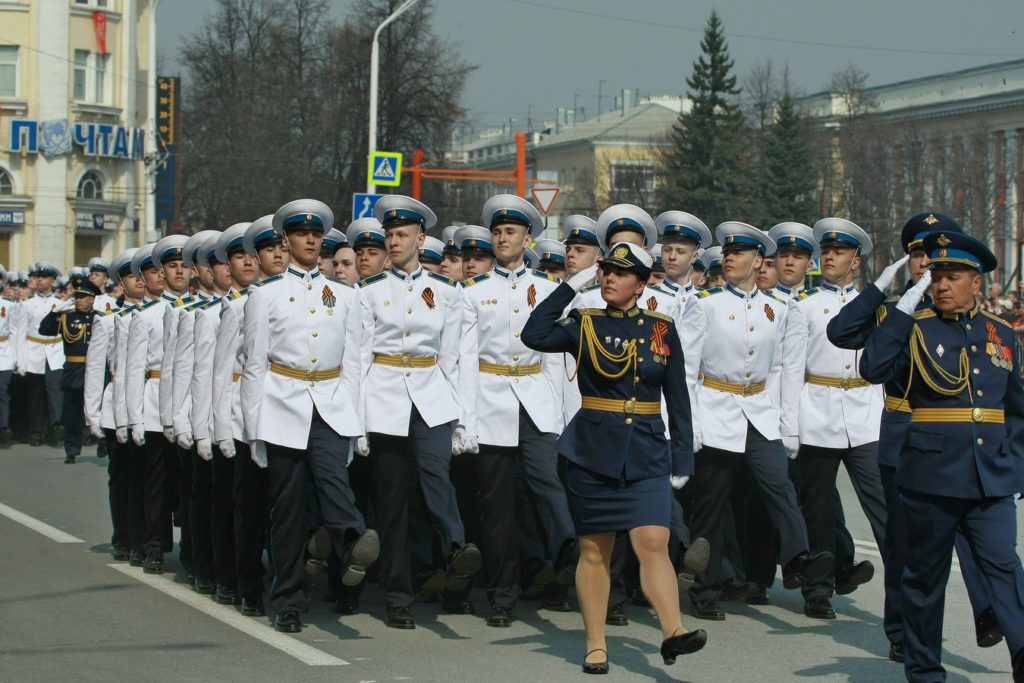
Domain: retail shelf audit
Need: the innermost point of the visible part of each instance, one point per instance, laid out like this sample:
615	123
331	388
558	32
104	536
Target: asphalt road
68	613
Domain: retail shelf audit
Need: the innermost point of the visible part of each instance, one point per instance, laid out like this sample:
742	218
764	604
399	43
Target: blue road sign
362	204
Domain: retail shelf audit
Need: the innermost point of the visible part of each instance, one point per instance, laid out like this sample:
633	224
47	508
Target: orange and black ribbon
428	296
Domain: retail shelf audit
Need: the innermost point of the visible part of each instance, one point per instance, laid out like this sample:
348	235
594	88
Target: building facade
74	94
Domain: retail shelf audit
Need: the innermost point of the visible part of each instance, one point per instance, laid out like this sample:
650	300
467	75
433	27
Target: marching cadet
850	329
794	258
250	478
767	278
451	261
99	274
411	326
582	246
10	314
143	365
697	275
432	254
332	242
831	415
41	358
682	236
714	275
367	240
477	251
960	466
658	268
740	373
72	322
300	396
345	264
552	257
511	397
101	363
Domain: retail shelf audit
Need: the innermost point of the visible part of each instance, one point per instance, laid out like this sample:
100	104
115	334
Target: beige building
74	87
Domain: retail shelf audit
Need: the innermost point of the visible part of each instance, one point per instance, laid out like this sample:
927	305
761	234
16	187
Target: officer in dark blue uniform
963	458
73	322
850	329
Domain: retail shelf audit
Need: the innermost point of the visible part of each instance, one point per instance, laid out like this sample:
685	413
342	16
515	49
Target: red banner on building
99	23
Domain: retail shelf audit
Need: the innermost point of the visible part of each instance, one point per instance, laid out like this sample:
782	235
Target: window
102	4
8	70
632	181
6	183
92	79
81	71
102	62
90	186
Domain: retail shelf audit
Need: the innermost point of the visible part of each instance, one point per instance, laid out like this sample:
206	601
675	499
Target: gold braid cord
919	354
588	338
69	336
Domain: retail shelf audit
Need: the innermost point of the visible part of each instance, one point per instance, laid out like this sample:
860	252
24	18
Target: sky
537	55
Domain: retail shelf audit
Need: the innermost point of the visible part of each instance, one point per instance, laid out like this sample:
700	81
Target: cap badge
792	238
942	253
943	241
619	222
504	212
931	220
732	238
309	216
832	235
620	252
392	213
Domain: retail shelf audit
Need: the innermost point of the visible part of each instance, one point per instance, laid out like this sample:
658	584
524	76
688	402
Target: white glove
96	431
227	448
678	482
259	453
67	305
457	436
185	440
169	434
121	434
362	447
583	278
19	369
139	435
469	445
909	301
698	441
884	280
792	446
204	449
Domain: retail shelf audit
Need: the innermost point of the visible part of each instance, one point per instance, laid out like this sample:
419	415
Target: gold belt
305	375
894	405
3	338
630	407
74	359
152	374
509	370
844	383
991	415
733	387
38	340
235	376
405	360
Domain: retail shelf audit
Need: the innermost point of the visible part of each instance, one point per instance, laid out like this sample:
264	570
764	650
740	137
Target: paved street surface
68	613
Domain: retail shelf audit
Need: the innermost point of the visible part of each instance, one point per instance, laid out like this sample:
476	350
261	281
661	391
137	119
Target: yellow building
74	93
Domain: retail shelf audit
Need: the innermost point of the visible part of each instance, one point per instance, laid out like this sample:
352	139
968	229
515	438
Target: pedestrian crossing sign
385	168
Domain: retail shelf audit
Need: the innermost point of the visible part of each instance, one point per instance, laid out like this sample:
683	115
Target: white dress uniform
122	322
10	315
227	370
172	317
206	324
98	393
145	363
105	303
39	353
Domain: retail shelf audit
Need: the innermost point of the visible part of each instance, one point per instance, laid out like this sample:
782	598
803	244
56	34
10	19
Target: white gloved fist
96	431
204	449
19	369
457	436
678	482
259	453
139	435
909	301
698	441
884	280
792	446
362	447
185	440
583	278
227	448
469	445
121	434
169	434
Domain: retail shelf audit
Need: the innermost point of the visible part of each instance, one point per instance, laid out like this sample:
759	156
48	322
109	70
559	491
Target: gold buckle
406	360
513	371
978	414
628	407
844	383
311	376
748	390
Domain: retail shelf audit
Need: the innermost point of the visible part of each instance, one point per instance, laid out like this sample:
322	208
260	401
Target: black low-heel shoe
683	644
596	667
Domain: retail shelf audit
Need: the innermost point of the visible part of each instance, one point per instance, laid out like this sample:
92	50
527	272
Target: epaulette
235	295
659	288
924	313
565	322
127	310
441	278
996	318
183	301
475	280
196	305
806	293
272	278
211	303
591	288
373	278
592	311
339	282
547	276
768	293
705	293
891	299
148	304
659	315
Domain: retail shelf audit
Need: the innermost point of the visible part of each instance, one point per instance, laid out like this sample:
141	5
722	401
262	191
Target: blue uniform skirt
600	504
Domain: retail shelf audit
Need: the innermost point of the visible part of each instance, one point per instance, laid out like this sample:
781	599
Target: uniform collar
969	315
836	289
671	286
619	313
203	296
688	288
235	290
168	297
510	274
729	287
402	275
788	291
304	274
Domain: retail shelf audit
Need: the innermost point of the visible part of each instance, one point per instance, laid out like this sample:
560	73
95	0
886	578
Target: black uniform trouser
715	471
119	483
818	469
159	470
74	420
990	527
497	468
200	522
324	455
53	383
5	398
181	500
250	520
36	404
425	455
222	511
137	461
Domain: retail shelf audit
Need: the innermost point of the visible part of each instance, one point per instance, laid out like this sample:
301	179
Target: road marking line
52	533
228	615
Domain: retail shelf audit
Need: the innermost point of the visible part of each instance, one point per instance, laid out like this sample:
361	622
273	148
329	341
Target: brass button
826	311
291	298
410	288
313	359
981	442
515	358
312	310
629	420
750	351
749	307
980	393
842	299
640	360
748	374
516	334
642	340
407	374
309	286
640	321
968	326
973	347
408	310
847	366
314	333
516	380
408	333
732	317
977	371
515	310
751	328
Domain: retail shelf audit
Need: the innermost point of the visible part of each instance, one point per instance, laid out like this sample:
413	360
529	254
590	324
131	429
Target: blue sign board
362	204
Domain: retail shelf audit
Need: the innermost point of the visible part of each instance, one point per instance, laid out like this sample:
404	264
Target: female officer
619	467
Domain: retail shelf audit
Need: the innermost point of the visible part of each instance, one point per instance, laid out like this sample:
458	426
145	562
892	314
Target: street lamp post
152	137
371	188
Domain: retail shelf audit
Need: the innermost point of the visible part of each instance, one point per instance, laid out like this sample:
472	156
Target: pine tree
707	167
788	173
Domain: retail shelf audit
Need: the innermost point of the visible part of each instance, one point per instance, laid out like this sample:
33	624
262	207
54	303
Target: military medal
328	297
940	350
428	296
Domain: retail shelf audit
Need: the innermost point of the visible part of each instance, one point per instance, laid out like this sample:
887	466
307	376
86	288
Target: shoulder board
475	280
996	318
235	295
768	293
112	311
546	276
272	278
591	288
183	301
128	309
211	303
892	298
196	305
565	322
149	304
373	278
441	278
660	288
924	313
339	282
806	293
592	311
705	293
659	315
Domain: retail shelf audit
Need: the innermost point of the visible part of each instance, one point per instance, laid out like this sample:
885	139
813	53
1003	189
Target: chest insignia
769	313
652	304
328	297
428	296
940	350
531	296
659	335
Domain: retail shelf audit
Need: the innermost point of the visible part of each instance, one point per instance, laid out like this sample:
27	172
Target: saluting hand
909	301
884	280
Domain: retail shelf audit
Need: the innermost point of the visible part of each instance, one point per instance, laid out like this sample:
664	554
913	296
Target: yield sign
545	197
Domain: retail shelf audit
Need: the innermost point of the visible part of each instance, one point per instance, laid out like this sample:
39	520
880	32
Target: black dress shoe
848	578
69	460
616	616
154	564
35	441
683	644
346	605
288	622
457	605
429	583
190	577
539	575
986	629
252	606
896	652
499	618
400	617
819	608
697	556
735	589
226	596
598	668
807	569
465	563
361	554
136	560
760	599
558	603
121	554
708	609
205	586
